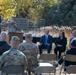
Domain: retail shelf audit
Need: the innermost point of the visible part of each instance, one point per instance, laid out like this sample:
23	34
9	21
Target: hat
28	35
73	42
15	39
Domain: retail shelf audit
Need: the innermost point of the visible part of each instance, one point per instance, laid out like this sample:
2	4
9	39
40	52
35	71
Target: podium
19	34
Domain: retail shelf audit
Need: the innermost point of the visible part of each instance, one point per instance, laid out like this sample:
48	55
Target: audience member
4	31
4	46
60	43
46	42
31	52
73	36
71	51
13	56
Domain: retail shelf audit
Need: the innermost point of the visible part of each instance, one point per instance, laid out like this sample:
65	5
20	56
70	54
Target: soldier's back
13	57
31	51
28	47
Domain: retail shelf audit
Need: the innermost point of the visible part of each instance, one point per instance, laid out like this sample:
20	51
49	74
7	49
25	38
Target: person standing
12	25
46	42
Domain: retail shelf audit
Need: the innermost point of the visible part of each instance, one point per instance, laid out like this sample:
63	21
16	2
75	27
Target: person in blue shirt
46	42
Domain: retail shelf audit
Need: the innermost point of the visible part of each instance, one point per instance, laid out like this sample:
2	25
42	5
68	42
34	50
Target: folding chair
68	57
13	69
47	58
73	59
45	66
71	69
45	69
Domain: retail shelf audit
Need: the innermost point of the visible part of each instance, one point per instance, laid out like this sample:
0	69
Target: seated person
71	51
13	56
31	51
4	46
60	44
46	42
73	36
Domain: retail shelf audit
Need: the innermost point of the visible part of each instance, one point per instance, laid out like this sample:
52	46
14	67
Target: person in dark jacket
4	46
71	51
60	43
46	42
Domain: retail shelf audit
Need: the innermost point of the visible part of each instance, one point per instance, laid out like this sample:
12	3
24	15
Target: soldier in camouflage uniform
13	56
31	51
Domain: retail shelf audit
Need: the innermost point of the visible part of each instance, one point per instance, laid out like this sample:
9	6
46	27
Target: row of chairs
70	69
46	62
45	66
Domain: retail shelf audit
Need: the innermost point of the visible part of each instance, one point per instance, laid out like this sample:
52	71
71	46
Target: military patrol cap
15	39
28	35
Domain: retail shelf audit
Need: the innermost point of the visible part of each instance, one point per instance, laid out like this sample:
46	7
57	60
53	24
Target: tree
40	9
20	8
48	13
62	13
23	7
33	9
7	8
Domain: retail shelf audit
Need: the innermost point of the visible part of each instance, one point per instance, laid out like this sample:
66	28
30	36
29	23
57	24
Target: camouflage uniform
12	57
31	52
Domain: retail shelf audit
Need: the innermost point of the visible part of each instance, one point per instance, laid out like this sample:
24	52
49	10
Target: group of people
71	51
60	46
17	53
47	40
